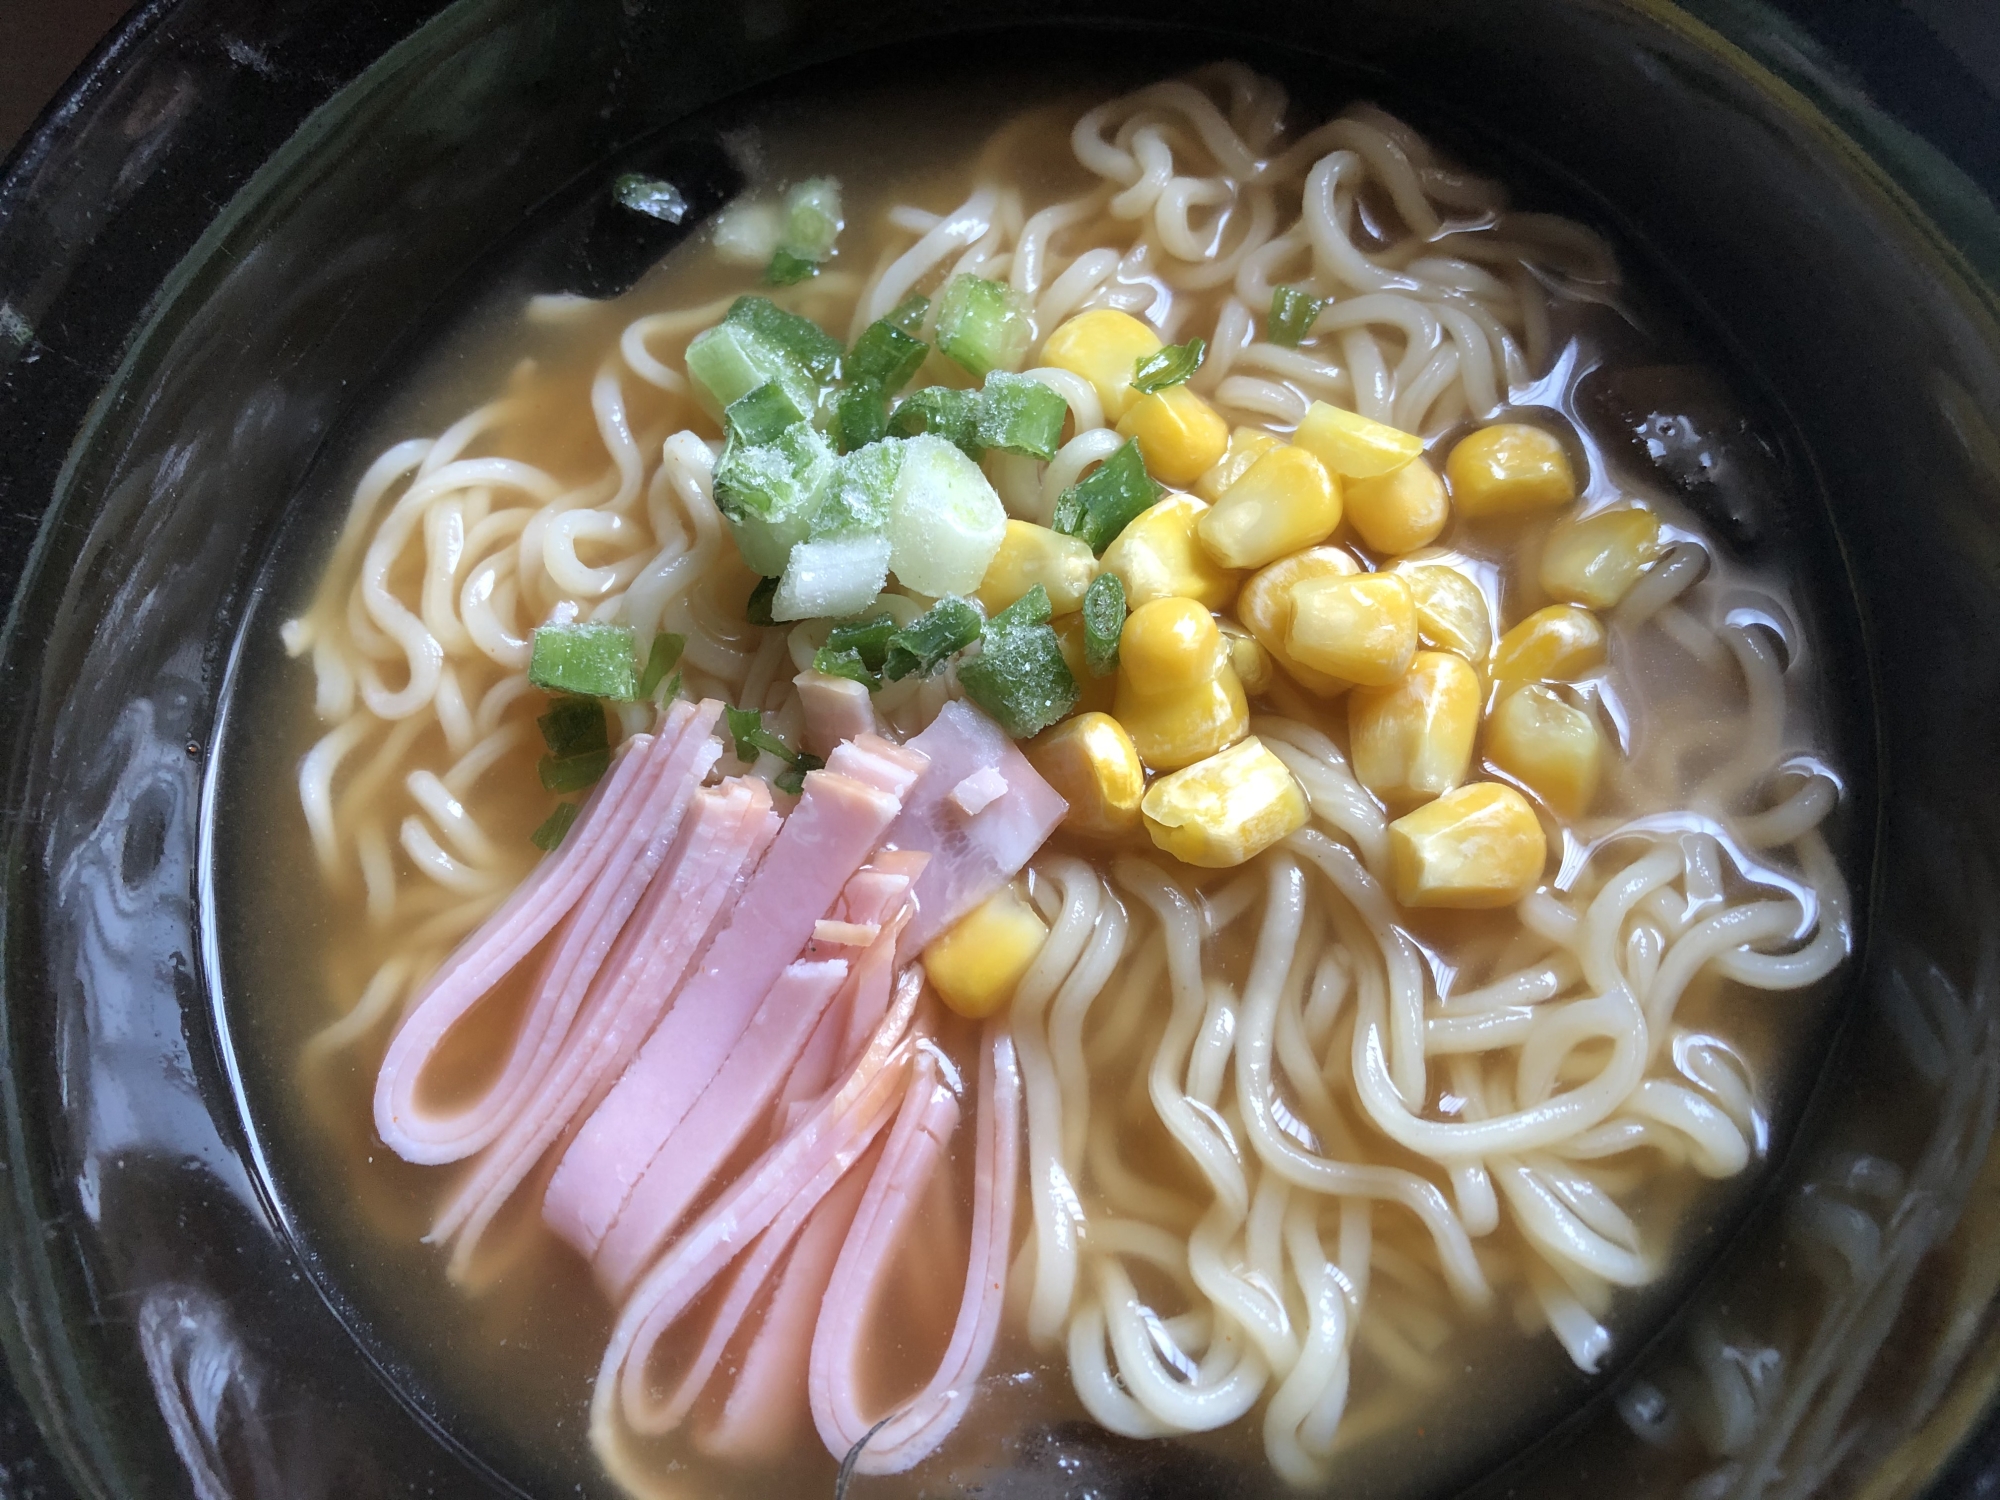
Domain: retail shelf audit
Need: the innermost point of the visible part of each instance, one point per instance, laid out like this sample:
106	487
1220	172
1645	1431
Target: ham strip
722	840
915	1148
841	816
836	709
590	888
972	855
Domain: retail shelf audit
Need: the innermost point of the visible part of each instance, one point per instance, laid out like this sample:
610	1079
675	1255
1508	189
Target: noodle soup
1071	789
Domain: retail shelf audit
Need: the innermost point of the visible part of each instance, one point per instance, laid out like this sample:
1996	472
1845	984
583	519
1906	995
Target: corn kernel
1284	502
1477	846
1246	446
1354	446
1180	436
1092	693
1508	469
1178	695
1103	347
1251	661
1452	613
1265	608
975	965
1226	809
1399	512
1362	628
1159	556
1412	741
1557	644
1595	560
1091	762
1030	554
1549	746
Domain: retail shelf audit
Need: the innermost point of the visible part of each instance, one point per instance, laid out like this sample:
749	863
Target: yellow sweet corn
1508	469
1452	614
1159	556
1593	560
1030	554
1180	436
1354	446
1284	502
1362	628
1252	661
1557	644
1412	741
975	965
1399	512
1477	846
1547	745
1103	347
1246	446
1178	695
1090	760
1265	608
1226	809
1092	693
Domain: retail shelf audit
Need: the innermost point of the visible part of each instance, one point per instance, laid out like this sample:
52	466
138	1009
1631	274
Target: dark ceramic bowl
244	214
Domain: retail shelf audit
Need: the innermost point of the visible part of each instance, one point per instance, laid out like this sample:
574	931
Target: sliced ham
979	791
722	840
583	893
841	816
836	709
914	1151
973	855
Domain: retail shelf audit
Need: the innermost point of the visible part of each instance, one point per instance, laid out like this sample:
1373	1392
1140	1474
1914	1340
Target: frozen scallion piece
1168	366
557	824
836	575
787	269
858	490
770	492
816	351
948	626
757	608
572	773
846	663
762	415
746	728
1103	623
1108	499
860	416
794	779
886	355
870	638
951	414
1021	415
573	726
1019	676
592	661
1293	313
653	197
908	314
812	219
660	659
983	325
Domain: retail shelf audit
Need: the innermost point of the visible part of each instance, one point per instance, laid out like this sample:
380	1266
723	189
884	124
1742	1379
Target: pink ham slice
836	709
840	818
973	855
589	887
722	840
915	1148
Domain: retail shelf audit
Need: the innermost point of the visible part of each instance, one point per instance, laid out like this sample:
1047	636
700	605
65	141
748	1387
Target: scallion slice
870	638
886	355
554	827
787	269
794	780
908	314
983	325
948	626
860	416
817	351
1103	623
1293	313
812	219
757	608
1019	676
845	663
593	661
651	196
572	773
1169	366
1108	499
660	659
770	492
573	726
1021	415
763	415
951	414
746	728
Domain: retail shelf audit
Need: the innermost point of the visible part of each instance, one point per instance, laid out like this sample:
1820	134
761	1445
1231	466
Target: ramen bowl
242	227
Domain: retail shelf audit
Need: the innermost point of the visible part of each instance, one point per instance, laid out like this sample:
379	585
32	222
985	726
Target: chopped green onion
908	314
746	728
1107	500
794	780
770	492
951	414
1168	366
869	637
594	661
787	269
857	492
948	626
1019	676
1021	415
757	608
839	575
812	219
860	416
1293	313
1103	623
983	324
660	659
845	663
573	726
654	198
572	773
763	415
886	355
816	351
557	824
